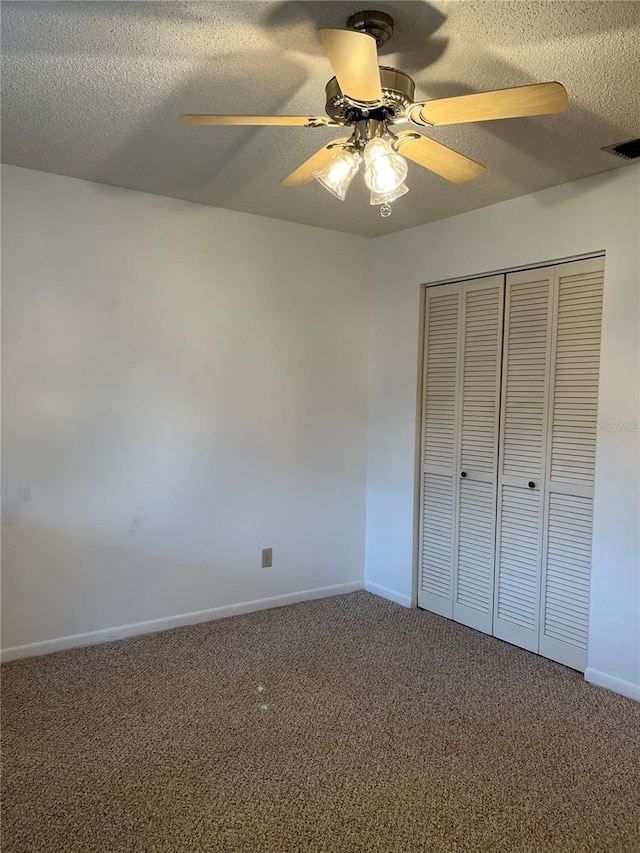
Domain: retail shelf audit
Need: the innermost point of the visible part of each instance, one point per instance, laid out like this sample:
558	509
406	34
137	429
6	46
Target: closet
510	389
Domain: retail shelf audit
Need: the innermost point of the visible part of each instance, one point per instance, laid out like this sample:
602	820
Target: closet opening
507	453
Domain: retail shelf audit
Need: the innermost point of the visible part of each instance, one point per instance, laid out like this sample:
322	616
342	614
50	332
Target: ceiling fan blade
438	158
536	100
304	173
275	121
354	59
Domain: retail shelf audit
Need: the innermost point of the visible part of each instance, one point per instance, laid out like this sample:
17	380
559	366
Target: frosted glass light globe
385	169
387	198
337	175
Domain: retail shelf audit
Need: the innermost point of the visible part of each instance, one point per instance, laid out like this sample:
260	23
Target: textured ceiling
93	90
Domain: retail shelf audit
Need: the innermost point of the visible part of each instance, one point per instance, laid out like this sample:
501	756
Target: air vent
629	150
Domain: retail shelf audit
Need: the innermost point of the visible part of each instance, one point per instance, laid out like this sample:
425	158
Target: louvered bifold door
526	354
439	448
573	403
478	426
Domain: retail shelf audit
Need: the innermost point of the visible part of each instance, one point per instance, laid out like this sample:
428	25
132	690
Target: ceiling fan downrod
376	24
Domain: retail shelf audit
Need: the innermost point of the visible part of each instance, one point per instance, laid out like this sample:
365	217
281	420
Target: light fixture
337	175
385	169
387	198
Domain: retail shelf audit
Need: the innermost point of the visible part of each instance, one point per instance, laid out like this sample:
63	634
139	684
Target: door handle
463	474
532	485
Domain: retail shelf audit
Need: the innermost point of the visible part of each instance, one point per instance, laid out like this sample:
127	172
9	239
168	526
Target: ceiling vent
629	150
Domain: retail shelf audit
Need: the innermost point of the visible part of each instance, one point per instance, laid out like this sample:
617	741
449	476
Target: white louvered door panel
573	404
519	566
478	427
439	448
526	353
564	628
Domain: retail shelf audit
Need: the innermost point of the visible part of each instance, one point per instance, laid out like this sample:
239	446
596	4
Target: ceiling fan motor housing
397	95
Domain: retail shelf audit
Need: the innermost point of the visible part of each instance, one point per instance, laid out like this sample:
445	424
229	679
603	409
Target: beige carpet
378	729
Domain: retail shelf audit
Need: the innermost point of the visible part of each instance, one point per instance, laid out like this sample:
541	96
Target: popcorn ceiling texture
378	729
93	90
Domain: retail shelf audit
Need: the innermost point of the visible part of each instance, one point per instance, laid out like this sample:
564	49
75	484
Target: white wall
570	220
182	387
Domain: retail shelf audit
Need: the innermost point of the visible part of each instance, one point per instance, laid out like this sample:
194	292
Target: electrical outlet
267	558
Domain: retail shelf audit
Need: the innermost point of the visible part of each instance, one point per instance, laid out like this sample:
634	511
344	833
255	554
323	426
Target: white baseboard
92	638
391	594
610	682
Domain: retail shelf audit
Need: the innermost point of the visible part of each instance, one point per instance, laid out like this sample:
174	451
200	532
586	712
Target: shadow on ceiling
294	25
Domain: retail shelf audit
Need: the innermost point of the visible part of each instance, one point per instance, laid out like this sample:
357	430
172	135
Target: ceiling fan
372	100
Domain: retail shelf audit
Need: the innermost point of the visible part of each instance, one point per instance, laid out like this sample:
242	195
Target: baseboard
391	594
120	632
610	682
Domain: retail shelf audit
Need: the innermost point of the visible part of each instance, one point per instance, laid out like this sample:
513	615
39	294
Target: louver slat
437	524
439	448
524	414
568	572
479	379
475	548
566	575
526	377
480	395
519	549
440	379
576	363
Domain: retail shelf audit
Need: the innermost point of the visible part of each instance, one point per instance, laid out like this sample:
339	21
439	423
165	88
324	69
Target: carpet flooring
344	724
